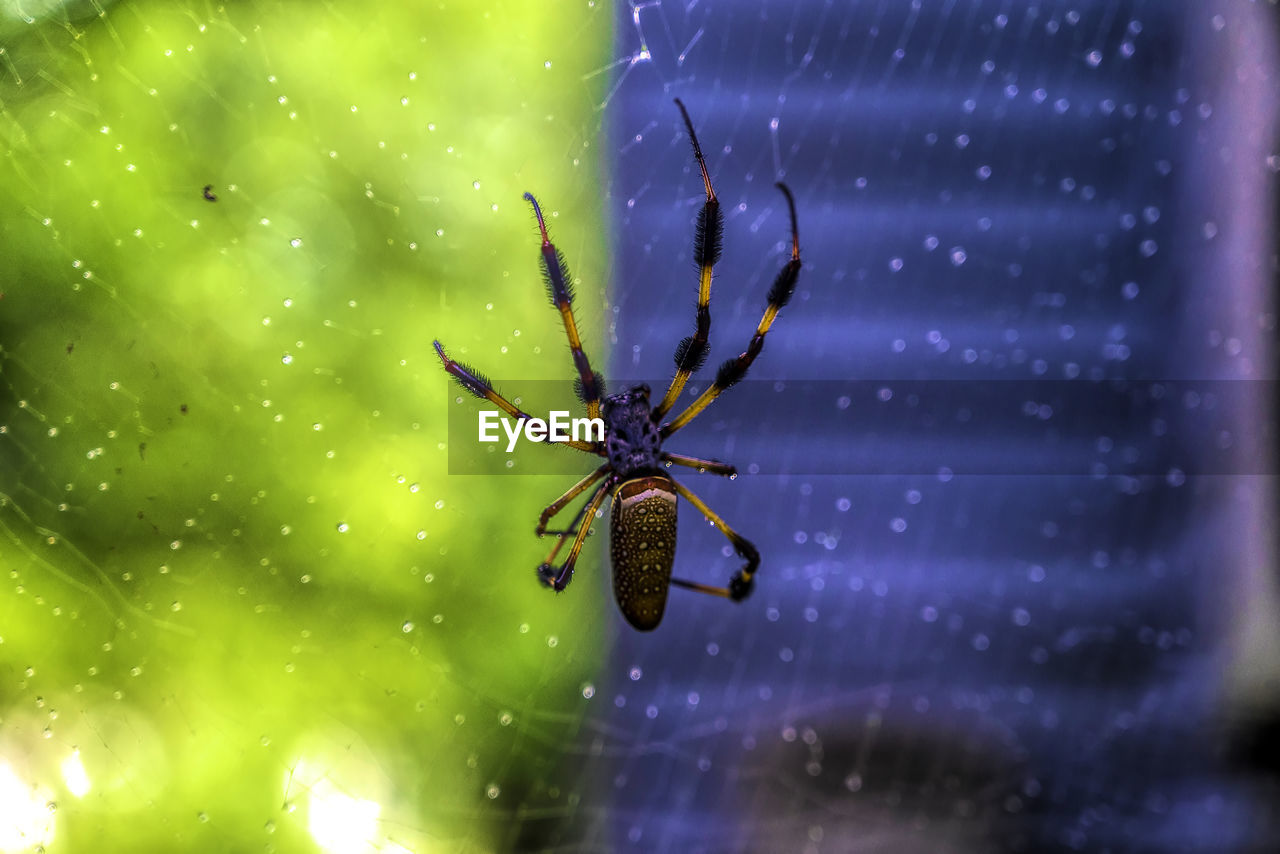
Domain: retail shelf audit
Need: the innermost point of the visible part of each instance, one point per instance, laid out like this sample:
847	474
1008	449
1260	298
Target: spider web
988	192
247	607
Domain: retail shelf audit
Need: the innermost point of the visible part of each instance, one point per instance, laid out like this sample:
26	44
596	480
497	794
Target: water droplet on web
492	791
407	626
505	718
342	527
286	359
635	674
295	242
588	691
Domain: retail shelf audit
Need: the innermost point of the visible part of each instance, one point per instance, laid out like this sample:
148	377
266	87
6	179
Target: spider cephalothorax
643	519
631	440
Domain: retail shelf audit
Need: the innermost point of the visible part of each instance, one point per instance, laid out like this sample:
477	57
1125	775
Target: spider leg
556	273
479	385
742	581
560	503
558	579
733	370
712	466
692	351
572	530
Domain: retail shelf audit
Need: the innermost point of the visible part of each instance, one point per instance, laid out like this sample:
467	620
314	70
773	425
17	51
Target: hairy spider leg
479	385
559	579
691	353
555	271
740	584
711	466
733	370
560	503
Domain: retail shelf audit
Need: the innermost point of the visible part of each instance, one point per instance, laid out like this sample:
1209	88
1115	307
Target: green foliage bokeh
237	585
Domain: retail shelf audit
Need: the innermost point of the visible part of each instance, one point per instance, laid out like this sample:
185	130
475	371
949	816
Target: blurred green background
243	606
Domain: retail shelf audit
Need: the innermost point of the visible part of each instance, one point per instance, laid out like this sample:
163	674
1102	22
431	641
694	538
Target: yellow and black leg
733	370
742	581
479	385
560	503
711	466
692	351
590	385
558	579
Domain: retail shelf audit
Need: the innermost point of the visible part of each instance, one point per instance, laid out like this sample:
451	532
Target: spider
643	518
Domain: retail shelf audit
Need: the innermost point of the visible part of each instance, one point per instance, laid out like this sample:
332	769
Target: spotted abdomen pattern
642	545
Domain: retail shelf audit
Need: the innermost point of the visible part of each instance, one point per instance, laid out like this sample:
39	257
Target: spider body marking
642	547
645	498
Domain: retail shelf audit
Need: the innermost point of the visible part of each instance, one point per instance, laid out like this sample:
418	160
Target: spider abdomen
642	546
